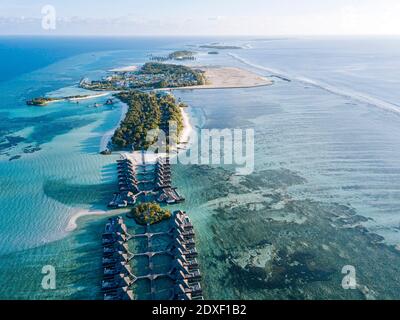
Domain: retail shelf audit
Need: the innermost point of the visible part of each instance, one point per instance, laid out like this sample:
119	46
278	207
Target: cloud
346	20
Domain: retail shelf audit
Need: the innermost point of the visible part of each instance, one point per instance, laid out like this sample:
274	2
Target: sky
200	17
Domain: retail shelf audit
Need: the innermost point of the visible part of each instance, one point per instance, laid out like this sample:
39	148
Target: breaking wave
355	95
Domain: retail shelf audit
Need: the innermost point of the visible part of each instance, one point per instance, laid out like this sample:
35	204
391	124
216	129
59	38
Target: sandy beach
92	96
72	223
124	69
72	99
229	78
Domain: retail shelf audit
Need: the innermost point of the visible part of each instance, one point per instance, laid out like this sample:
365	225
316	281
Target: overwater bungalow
129	197
115	225
112	238
120	294
185	233
126	167
116	247
185	291
162	166
127	181
191	264
163	169
127	176
118	281
163	175
185	253
117	202
170	196
163	160
125	160
115	258
162	184
182	218
183	245
163	180
179	293
180	240
191	277
133	187
184	227
121	267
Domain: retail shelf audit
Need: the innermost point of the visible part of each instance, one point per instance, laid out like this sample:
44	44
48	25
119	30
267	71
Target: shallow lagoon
326	169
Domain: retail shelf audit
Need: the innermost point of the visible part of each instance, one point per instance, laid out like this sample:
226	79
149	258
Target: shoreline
92	96
106	138
67	99
79	213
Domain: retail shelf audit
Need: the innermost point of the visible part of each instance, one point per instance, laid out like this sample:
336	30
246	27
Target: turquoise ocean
325	192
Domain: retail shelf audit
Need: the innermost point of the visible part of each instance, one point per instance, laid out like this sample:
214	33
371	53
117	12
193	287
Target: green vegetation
172	74
150	213
102	85
152	75
176	55
41	101
182	55
147	111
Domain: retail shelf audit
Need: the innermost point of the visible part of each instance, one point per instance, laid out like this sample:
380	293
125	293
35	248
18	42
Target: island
41	101
176	55
182	55
152	75
44	101
149	213
146	111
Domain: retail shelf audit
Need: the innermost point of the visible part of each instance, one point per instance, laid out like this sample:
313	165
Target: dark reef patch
14	158
286	271
31	149
10	141
287	248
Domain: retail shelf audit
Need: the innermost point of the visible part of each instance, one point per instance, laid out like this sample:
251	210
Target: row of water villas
135	180
183	270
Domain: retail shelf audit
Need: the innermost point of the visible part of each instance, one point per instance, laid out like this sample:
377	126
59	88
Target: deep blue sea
325	192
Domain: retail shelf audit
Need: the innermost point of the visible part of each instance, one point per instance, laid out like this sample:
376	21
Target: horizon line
196	35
